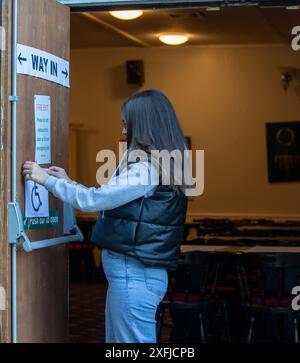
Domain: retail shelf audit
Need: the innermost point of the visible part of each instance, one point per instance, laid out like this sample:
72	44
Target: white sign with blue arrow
38	63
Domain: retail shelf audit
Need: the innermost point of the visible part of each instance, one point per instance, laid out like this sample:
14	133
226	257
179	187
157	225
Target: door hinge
13	98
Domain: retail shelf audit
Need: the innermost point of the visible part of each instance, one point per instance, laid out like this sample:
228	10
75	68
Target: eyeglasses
124	127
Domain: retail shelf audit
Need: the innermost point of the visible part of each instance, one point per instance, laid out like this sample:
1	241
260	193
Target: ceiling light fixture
126	14
173	38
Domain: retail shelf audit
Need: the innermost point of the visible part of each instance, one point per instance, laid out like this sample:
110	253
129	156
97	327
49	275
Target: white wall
223	97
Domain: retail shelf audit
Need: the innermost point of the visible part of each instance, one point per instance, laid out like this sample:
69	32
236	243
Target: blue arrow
65	73
20	59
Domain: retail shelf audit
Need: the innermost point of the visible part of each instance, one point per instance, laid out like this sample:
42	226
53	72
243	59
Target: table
240	249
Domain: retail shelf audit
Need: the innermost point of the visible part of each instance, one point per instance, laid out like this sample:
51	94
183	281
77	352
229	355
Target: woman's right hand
58	172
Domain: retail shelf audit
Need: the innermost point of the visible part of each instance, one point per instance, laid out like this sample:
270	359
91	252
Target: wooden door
42	275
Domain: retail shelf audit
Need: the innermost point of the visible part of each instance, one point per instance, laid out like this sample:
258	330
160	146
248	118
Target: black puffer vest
149	229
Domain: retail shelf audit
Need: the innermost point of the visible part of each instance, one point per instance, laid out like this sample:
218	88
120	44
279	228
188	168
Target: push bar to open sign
16	230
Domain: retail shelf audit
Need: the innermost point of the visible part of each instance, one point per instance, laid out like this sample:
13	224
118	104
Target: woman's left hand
32	171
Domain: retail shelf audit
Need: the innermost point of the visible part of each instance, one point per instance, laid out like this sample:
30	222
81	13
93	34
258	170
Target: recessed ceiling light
126	14
173	39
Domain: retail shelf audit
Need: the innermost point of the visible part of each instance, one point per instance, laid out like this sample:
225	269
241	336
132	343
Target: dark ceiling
236	25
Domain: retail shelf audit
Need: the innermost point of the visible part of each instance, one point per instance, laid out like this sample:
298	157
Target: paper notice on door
42	116
36	200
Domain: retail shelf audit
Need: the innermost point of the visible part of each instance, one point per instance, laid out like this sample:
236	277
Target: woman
143	209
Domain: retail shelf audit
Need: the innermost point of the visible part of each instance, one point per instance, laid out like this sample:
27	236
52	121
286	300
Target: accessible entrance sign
38	63
36	200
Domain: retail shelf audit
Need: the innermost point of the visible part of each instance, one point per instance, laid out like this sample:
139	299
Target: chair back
197	274
267	277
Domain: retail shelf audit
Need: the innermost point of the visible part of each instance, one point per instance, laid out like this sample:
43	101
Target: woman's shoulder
144	164
145	171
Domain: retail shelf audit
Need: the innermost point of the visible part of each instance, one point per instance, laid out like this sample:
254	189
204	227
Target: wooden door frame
104	5
5	250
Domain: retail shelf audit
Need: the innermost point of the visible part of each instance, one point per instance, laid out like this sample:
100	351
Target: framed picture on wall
283	149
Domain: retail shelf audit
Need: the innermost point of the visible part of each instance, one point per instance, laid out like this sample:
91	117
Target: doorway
226	82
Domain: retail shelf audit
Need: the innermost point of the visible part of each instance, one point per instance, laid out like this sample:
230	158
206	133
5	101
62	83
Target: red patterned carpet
87	319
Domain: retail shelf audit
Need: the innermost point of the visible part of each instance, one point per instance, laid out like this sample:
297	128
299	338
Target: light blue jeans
133	294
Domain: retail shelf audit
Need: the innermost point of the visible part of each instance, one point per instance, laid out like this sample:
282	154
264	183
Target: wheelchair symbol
35	198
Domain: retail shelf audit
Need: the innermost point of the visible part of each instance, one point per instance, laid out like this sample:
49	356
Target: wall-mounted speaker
135	72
